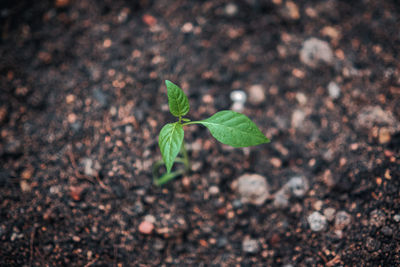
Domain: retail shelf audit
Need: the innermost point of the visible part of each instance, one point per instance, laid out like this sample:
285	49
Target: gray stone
252	188
334	90
387	231
377	218
281	199
342	219
329	214
237	204
298	186
372	244
371	116
100	97
317	221
315	51
158	244
222	242
250	246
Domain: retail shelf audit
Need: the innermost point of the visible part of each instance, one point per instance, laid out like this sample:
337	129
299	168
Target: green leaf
177	100
170	141
234	129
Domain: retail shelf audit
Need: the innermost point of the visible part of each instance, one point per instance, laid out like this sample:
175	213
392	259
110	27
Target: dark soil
83	99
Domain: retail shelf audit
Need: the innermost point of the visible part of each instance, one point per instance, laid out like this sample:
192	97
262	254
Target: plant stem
186	161
160	180
190	122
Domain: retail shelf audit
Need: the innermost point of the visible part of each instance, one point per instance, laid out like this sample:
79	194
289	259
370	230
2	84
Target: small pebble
315	51
150	218
298	186
281	199
238	96
231	9
371	116
342	219
384	135
317	221
334	90
146	227
25	187
76	238
396	218
338	233
298	117
237	106
213	190
100	97
290	11
158	244
256	94
252	188
237	204
250	246
387	231
329	213
377	218
301	98
76	192
372	244
90	166
222	242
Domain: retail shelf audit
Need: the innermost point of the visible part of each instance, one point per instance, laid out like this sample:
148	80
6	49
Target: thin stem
186	160
191	122
169	176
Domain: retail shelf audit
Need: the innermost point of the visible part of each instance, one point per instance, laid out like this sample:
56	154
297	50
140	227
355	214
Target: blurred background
82	100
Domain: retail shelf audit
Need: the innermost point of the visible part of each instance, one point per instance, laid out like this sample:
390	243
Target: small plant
228	127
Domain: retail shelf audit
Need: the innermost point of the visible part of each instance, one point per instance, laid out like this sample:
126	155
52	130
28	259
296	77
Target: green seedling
228	127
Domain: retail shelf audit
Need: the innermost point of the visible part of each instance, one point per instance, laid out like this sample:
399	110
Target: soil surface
83	100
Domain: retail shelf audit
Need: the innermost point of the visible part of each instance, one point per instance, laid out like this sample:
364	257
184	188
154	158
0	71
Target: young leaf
234	129
177	100
170	141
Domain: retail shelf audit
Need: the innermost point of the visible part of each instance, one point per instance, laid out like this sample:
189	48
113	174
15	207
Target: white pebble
231	9
317	221
298	186
334	90
298	117
250	246
238	96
